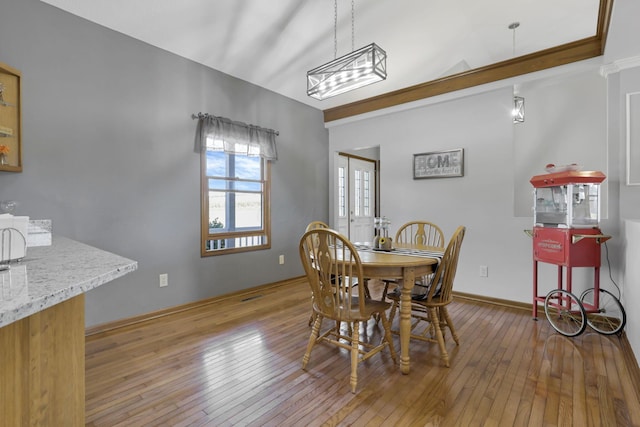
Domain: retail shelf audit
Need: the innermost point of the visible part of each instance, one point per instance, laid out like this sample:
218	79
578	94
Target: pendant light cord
513	27
353	20
335	27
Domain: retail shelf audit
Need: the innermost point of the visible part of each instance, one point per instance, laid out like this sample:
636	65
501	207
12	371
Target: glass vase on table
381	240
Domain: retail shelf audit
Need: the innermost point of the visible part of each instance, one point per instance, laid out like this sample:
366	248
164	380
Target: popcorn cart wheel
567	314
605	313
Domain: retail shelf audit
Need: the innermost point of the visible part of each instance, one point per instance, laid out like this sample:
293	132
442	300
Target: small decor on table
4	152
382	241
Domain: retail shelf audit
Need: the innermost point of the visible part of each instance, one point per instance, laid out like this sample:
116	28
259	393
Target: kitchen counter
42	352
52	274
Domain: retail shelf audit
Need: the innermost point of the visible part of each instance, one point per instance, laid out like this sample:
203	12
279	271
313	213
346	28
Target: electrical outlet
484	271
164	280
281	259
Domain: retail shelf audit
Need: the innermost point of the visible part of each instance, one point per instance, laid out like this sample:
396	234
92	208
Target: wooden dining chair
319	224
432	307
334	273
316	224
423	233
312	226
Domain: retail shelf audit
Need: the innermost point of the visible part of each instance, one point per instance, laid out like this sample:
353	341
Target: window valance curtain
222	134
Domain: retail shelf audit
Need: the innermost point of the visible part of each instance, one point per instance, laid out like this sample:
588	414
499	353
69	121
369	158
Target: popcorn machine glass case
567	199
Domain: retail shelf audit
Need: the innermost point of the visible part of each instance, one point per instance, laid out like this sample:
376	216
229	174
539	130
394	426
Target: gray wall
623	52
482	199
619	85
108	156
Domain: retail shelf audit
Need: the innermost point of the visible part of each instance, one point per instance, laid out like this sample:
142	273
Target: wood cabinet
42	367
10	120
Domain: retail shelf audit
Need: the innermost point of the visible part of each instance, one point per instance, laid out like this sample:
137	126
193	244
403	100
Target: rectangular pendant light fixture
352	71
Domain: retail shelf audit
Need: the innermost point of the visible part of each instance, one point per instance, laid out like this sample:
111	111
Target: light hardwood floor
238	362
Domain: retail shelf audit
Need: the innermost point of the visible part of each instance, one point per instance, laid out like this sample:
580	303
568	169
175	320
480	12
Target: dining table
404	261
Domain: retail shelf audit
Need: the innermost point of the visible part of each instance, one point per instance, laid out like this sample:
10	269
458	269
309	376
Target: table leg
405	318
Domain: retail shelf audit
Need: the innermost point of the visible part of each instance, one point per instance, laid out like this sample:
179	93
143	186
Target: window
235	161
235	203
367	194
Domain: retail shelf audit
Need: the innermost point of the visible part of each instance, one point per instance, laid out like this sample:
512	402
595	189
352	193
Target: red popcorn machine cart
566	233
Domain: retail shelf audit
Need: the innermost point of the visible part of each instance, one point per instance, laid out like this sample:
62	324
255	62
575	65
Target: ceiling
274	43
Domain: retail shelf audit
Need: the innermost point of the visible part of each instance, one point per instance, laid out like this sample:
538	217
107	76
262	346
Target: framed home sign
439	164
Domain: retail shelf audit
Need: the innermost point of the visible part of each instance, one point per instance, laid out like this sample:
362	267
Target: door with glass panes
356	194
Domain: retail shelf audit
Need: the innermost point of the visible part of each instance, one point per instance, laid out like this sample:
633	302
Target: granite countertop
52	274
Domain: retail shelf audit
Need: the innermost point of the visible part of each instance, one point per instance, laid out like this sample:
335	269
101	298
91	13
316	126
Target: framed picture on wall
10	121
439	164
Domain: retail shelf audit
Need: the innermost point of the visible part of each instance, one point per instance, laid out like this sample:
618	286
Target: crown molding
619	65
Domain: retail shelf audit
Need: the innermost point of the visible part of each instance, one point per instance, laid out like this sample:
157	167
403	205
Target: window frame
205	236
